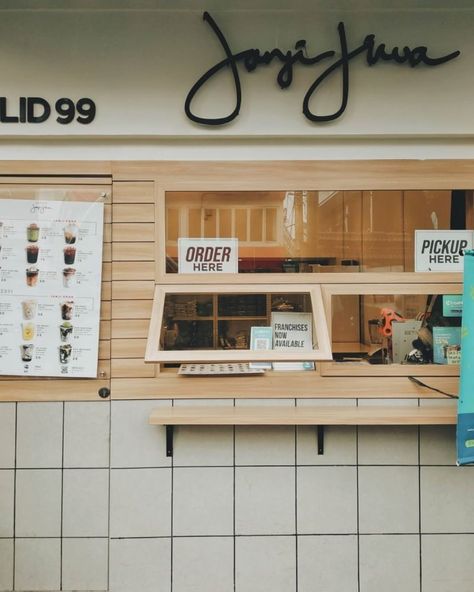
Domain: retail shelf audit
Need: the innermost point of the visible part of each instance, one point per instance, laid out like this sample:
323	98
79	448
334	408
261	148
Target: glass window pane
241	224
256	225
210	223
172	224
194	223
225	223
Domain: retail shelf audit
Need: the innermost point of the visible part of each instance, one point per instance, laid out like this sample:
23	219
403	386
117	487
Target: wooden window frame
154	353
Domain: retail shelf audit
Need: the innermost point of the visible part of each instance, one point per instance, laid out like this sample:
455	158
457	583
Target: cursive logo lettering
252	58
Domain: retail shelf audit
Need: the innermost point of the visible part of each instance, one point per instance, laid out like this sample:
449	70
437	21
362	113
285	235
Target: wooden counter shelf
314	416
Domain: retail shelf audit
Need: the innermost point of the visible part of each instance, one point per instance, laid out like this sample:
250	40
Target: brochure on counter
50	287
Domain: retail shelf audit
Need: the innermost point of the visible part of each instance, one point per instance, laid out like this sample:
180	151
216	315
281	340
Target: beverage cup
65	331
28	331
68	276
29	309
67	310
32	276
70	234
27	352
65	353
32	253
32	233
69	255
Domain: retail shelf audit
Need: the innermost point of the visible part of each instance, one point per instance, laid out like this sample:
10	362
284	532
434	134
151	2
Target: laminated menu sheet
50	287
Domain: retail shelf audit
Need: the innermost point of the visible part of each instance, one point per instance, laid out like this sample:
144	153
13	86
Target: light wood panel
129	290
131	309
133	192
131	368
133	251
129	328
136	270
133	211
442	415
128	348
134	232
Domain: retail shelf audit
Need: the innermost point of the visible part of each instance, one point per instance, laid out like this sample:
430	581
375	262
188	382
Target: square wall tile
39	435
264	564
388	445
142	565
265	500
327	563
38	503
7	435
85	502
264	445
37	564
86	434
6	565
140	502
203	564
203	501
327	500
447	562
134	442
390	563
340	445
7	498
85	564
388	500
438	445
447	502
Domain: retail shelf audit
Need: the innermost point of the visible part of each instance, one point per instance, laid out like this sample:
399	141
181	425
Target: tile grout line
62	502
109	494
233	508
14	496
171	514
296	504
358	502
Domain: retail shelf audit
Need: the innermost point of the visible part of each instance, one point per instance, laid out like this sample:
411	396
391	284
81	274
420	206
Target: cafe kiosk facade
324	190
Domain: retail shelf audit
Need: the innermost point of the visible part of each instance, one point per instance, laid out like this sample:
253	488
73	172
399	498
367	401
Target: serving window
400	330
203	323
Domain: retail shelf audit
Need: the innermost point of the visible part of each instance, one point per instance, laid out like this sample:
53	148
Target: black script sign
252	58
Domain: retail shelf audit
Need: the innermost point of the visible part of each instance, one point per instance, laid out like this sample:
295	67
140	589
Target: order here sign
208	255
441	250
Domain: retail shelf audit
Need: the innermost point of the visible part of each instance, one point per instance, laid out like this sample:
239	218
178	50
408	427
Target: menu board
50	285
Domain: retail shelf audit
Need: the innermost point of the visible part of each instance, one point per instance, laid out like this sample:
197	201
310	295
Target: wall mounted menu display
50	285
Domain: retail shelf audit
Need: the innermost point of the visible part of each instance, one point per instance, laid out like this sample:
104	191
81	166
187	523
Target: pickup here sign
441	250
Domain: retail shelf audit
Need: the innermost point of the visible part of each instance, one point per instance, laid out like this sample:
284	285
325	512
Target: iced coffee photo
69	255
32	253
68	276
65	353
28	331
66	310
32	276
70	234
29	309
32	233
27	352
65	331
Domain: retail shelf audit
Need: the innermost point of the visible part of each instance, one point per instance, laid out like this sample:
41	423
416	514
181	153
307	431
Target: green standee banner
465	428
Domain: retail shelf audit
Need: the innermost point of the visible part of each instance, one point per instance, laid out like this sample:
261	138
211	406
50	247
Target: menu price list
50	280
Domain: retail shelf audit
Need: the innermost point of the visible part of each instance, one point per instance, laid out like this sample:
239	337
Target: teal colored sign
452	305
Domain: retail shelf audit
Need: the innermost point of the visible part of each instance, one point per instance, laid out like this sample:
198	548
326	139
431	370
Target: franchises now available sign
441	250
209	255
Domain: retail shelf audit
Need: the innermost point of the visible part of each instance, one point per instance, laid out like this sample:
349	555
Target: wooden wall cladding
133	281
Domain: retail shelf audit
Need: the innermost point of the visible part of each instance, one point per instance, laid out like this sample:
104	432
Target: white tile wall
86	502
135	443
447	563
447	500
85	564
327	563
140	565
327	500
390	563
203	564
258	510
177	524
388	500
140	502
38	503
7	500
6	565
265	563
7	435
37	564
86	434
203	501
39	422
